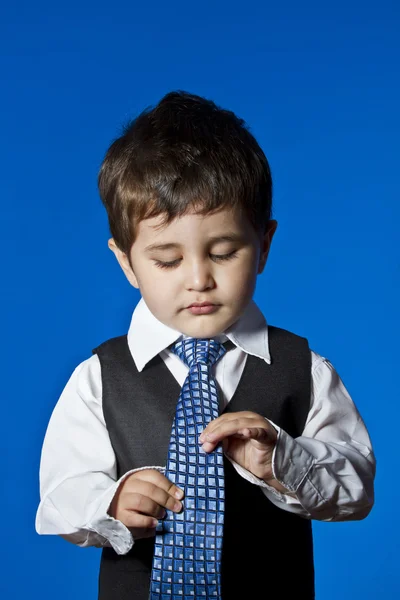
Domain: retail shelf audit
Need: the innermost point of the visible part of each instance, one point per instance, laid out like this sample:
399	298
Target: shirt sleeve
329	470
78	473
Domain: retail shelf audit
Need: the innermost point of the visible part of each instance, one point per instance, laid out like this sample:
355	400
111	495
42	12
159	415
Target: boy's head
188	193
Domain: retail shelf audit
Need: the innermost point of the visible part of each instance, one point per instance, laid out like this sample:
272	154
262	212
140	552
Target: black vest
267	551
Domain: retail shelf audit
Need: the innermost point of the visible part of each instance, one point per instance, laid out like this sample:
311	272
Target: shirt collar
147	336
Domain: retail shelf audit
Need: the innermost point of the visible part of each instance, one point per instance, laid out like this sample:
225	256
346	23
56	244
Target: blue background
318	85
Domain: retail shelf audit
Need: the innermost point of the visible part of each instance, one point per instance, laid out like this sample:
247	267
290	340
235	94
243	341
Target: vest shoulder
113	344
279	334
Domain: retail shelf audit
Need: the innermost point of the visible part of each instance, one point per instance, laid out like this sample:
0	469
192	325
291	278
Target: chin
205	330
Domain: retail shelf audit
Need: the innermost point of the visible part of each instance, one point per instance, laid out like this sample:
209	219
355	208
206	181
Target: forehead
193	227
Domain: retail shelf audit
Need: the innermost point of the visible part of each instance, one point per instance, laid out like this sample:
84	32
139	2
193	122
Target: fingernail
179	494
177	506
154	522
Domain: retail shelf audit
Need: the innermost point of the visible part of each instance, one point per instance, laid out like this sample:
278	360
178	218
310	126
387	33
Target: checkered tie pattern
188	545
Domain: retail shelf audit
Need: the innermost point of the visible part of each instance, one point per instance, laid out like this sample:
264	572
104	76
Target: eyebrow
229	237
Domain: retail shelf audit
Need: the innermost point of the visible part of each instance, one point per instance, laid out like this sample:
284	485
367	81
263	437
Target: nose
199	276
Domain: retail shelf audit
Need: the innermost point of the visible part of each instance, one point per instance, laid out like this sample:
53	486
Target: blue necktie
187	553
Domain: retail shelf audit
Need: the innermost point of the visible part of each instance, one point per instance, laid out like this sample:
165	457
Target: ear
123	263
266	244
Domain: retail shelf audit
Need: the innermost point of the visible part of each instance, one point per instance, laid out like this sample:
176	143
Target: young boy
188	193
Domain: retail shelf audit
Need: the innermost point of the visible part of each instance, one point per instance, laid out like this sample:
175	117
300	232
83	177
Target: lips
202	308
201	304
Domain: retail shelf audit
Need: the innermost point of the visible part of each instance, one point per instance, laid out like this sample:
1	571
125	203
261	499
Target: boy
188	193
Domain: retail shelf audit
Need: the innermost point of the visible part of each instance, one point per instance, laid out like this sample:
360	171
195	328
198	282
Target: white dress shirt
329	469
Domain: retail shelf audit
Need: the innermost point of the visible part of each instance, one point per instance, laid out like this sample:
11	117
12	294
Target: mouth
201	304
202	308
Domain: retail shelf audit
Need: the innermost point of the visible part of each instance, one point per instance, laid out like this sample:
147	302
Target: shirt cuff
290	461
255	480
112	531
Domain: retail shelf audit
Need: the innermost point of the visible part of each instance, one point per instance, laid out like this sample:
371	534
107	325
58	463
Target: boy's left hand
246	437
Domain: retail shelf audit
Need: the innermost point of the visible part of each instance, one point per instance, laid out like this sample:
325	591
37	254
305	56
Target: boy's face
212	258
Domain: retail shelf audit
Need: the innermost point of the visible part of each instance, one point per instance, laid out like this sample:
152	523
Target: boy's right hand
142	498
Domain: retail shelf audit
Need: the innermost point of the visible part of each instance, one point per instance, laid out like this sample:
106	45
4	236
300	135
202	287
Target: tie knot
192	351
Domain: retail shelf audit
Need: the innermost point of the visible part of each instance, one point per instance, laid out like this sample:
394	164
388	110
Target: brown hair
184	153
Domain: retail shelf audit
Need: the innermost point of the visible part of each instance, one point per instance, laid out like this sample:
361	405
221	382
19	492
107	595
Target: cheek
150	275
237	286
244	273
157	285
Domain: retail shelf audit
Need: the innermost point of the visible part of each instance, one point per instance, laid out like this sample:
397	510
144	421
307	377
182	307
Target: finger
229	417
159	479
242	428
255	433
235	423
153	493
144	504
133	519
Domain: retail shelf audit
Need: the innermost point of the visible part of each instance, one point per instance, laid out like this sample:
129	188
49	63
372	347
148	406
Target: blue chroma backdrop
318	85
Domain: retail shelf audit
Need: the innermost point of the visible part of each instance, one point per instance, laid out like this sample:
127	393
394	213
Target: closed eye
214	257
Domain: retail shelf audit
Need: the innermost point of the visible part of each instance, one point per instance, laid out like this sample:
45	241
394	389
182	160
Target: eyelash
171	265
